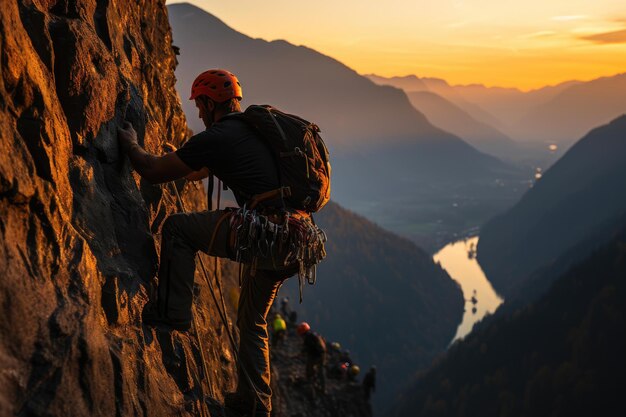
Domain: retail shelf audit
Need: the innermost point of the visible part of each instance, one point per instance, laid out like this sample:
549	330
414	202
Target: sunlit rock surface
76	226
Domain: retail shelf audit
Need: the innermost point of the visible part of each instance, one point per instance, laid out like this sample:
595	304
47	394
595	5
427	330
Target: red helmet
303	328
218	84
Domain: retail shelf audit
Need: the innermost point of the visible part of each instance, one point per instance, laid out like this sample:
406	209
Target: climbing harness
285	239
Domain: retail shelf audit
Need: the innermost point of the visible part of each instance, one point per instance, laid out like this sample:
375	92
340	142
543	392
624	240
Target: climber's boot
150	317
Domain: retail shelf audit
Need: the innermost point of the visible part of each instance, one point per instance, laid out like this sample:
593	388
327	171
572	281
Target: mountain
509	105
382	294
574	111
551	114
575	197
409	83
448	116
496	106
562	355
298	79
540	281
412	83
384	152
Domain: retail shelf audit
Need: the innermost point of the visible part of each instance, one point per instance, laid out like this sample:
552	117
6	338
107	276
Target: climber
353	372
314	347
280	328
234	152
344	356
293	318
335	348
284	306
369	382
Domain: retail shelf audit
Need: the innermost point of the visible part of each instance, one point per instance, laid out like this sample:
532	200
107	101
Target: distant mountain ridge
449	116
558	113
574	110
576	196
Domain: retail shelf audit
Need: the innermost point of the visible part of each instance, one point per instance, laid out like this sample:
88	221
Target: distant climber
353	372
284	306
265	235
335	348
369	382
314	347
279	328
344	357
293	318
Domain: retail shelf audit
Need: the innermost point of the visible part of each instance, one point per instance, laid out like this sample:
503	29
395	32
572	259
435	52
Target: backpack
316	345
321	344
301	156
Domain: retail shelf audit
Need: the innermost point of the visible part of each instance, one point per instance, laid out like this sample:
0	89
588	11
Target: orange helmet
218	84
303	328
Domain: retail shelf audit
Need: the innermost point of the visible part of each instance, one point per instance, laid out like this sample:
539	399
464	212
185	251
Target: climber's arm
155	169
195	175
198	175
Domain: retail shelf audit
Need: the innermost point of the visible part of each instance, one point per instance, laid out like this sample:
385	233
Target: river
458	259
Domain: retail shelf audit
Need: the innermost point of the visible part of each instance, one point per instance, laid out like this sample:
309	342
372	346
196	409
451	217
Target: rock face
294	396
79	231
76	243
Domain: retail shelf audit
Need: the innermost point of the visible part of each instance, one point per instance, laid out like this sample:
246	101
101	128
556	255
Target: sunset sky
511	43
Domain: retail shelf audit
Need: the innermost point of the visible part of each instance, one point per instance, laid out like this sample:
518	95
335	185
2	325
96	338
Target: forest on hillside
562	355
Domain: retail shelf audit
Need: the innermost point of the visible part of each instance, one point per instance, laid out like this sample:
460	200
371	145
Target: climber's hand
168	147
127	137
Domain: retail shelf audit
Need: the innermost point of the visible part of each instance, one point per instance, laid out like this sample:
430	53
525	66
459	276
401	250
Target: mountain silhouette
449	116
561	355
351	109
412	83
558	113
575	197
574	111
380	293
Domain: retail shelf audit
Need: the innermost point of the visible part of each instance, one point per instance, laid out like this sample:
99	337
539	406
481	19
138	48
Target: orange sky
511	43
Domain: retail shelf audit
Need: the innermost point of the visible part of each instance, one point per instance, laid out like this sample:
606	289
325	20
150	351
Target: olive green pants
182	236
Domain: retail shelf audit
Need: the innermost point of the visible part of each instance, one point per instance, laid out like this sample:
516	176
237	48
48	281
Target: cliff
79	230
76	225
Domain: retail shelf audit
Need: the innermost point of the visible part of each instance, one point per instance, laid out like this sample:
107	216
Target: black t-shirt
235	154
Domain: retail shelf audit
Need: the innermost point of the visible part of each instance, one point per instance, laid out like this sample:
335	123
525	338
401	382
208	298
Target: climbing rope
221	308
204	409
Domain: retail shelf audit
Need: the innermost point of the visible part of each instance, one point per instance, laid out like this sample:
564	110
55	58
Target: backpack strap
210	192
281	192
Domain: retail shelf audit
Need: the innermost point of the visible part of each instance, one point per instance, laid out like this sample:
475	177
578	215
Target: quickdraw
292	240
